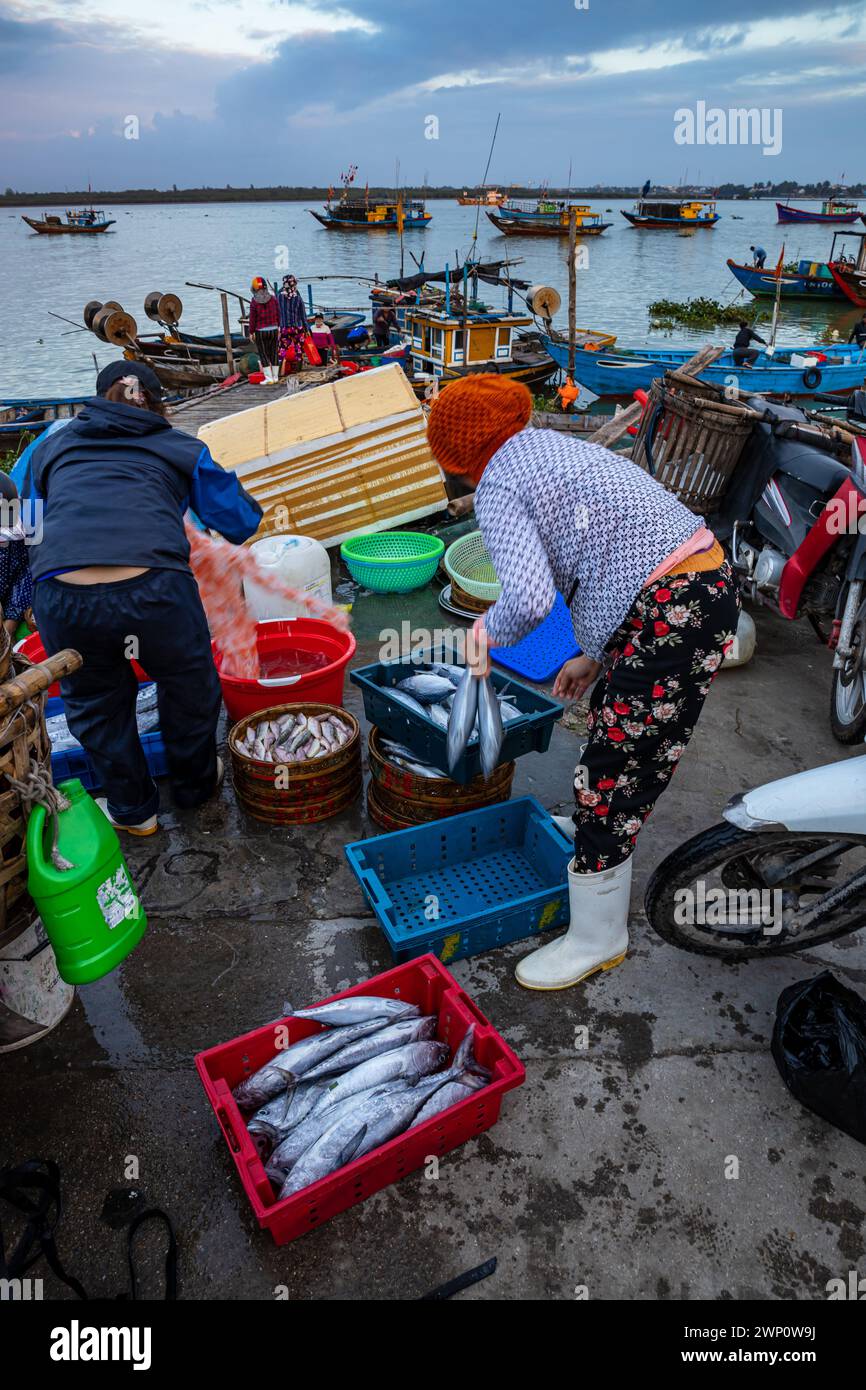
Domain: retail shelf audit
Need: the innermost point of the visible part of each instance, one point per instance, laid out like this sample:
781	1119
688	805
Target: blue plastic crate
74	762
530	734
467	884
541	655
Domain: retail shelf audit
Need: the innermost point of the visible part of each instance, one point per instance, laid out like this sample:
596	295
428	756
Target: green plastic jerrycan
91	912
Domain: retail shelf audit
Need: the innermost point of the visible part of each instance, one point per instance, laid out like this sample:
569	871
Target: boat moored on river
673	214
792	372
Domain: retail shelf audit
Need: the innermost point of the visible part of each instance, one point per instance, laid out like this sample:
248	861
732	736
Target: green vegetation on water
700	313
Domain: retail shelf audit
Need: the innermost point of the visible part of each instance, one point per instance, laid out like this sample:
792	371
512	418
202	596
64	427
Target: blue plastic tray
467	884
541	655
531	734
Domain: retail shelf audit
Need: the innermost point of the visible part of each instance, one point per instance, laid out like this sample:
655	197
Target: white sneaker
144	827
597	934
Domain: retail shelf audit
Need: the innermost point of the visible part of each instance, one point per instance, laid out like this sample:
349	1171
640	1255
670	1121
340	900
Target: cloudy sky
279	92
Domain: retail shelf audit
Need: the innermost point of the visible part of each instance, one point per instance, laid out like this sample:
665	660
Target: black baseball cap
115	371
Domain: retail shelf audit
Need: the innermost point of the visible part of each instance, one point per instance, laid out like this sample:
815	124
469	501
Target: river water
226	244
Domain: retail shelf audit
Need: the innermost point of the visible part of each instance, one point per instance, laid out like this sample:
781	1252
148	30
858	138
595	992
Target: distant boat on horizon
79	221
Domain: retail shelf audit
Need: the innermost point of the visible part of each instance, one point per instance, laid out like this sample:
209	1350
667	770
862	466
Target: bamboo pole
36	679
572	290
227	332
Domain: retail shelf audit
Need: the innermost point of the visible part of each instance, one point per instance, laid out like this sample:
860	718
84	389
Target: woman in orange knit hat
654	608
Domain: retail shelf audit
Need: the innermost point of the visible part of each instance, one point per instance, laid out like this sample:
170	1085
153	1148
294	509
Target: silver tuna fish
357	1008
296	1143
373	1121
285	1067
408	1030
462	719
490	731
427	688
413	1060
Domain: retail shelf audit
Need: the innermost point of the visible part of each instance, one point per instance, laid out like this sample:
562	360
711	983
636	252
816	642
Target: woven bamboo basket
402	798
24	745
691	440
461	599
314	791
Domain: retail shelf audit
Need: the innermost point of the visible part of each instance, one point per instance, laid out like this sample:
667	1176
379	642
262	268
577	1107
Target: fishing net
220	569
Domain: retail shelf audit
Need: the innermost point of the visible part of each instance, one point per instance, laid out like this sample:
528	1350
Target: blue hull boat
811	280
621	373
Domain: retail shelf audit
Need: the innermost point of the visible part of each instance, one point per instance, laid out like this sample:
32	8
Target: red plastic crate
424	981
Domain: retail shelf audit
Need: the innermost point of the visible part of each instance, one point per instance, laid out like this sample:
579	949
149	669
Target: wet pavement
607	1170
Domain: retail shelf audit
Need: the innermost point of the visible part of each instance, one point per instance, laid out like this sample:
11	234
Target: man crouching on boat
112	580
654	606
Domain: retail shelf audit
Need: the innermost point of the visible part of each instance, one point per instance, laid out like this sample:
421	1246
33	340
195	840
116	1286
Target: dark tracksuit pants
156	618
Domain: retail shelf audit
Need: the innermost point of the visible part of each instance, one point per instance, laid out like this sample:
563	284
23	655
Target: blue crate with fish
467	884
68	758
410	702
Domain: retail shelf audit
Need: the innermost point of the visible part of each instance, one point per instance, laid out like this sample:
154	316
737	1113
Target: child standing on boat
654	607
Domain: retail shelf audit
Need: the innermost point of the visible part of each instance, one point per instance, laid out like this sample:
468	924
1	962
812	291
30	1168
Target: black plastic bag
819	1046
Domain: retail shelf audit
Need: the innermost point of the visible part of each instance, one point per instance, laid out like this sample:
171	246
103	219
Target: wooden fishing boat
796	372
486	198
681	214
78	222
20	419
446	344
547	218
833	210
182	373
810	280
849	272
375	217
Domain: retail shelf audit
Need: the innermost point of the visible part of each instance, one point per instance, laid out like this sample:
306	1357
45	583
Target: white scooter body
831	798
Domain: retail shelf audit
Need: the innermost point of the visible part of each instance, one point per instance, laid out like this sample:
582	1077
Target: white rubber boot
565	824
597	935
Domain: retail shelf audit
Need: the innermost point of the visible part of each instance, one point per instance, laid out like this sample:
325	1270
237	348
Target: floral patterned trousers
644	707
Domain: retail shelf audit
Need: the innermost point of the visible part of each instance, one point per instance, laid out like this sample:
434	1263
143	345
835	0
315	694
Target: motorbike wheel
804	867
848	690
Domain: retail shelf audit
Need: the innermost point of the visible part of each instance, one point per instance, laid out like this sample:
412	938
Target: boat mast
483	182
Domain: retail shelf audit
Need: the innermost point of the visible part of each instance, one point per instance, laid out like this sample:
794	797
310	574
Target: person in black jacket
112	580
744	356
858	333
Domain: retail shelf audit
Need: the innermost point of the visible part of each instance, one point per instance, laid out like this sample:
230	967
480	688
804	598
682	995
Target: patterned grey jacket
554	510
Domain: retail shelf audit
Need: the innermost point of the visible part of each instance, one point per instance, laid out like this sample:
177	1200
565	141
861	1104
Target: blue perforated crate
529	734
74	762
467	884
541	655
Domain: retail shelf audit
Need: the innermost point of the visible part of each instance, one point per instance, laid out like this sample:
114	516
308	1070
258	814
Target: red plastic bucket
290	638
33	649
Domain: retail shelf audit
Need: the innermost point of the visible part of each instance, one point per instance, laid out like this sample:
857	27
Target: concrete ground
606	1170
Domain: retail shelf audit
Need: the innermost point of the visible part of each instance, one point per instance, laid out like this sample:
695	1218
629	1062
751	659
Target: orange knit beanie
472	418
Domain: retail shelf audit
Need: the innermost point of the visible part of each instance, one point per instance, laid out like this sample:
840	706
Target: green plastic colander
468	562
393	562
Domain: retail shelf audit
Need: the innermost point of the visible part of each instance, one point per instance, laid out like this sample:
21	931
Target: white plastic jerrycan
298	561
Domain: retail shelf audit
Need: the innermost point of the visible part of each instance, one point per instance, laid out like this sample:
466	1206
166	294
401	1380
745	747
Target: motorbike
794	521
784	871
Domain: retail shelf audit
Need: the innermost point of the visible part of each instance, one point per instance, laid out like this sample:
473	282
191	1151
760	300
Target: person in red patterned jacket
265	327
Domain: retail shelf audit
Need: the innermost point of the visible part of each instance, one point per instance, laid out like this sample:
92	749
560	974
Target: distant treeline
285	194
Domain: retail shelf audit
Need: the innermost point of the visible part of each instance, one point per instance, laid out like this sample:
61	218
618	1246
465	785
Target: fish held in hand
490	729
461	719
